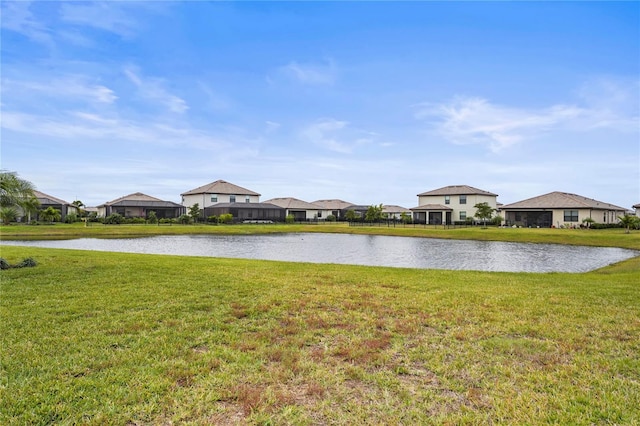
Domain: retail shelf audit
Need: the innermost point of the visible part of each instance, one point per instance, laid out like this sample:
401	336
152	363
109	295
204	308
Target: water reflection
372	250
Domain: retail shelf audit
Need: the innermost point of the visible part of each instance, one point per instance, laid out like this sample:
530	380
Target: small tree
330	218
629	221
50	214
405	217
587	221
351	216
8	214
79	206
184	219
484	212
194	212
290	219
374	214
152	217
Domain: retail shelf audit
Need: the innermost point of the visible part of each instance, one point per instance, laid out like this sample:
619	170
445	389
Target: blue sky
369	102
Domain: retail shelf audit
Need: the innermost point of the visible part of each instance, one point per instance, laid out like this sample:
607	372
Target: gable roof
390	208
333	204
48	199
138	199
293	203
430	207
458	190
561	200
220	187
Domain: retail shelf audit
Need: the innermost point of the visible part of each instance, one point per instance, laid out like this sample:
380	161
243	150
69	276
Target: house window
463	215
319	213
247	199
571	215
463	199
447	199
604	219
214	198
232	198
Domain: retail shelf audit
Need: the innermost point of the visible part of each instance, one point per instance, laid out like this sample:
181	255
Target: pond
371	250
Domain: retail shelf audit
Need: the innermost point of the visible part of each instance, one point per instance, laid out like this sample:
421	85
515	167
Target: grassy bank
109	338
585	237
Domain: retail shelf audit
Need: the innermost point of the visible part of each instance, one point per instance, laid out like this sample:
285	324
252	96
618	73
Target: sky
368	102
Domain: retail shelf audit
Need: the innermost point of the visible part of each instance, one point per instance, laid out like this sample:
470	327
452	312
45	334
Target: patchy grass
585	237
112	338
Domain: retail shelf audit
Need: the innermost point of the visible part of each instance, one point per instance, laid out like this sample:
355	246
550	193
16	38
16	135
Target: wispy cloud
152	89
335	135
77	87
113	17
472	120
312	74
18	17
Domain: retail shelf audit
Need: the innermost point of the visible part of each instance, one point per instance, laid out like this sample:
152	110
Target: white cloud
18	17
312	74
152	89
63	88
108	16
336	135
469	120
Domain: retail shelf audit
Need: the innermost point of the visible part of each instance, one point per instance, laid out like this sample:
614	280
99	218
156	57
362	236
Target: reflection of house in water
139	205
560	209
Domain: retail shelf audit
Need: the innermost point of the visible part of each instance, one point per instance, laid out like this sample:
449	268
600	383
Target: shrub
225	218
71	218
330	218
4	264
290	219
167	221
152	217
212	219
114	218
26	263
184	219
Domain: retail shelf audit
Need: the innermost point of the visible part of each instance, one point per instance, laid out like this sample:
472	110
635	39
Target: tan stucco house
454	203
560	209
47	201
139	205
217	192
299	209
335	207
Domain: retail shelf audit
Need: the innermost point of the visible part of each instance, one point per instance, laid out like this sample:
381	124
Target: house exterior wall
208	199
567	218
455	203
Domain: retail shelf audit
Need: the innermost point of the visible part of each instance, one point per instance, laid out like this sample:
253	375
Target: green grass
111	338
585	237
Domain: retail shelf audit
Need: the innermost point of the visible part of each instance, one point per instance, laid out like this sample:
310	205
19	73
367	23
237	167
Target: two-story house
451	204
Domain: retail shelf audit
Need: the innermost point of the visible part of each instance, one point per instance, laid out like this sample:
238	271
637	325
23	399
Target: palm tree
50	214
14	190
8	214
629	221
29	206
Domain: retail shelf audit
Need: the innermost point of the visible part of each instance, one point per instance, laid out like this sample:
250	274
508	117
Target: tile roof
430	207
293	203
333	204
138	199
48	199
458	190
561	200
394	209
220	187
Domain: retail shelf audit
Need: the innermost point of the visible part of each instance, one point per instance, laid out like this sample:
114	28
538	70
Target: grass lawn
127	339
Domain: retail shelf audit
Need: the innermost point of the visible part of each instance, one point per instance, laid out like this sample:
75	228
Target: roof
255	206
458	190
293	203
333	204
561	200
138	199
220	187
394	209
48	199
636	206
429	207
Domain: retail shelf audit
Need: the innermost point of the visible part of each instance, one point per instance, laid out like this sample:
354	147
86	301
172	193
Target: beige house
139	205
300	210
560	209
46	201
395	212
335	207
217	192
451	204
636	208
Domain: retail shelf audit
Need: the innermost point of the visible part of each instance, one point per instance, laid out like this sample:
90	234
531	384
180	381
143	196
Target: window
232	198
463	199
447	199
571	215
463	215
214	198
247	199
319	213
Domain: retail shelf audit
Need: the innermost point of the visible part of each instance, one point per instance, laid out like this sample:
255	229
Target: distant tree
114	219
50	214
14	190
484	212
374	213
405	217
30	206
351	216
194	212
152	217
629	221
79	206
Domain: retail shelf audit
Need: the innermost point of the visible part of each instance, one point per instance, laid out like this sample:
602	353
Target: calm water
372	250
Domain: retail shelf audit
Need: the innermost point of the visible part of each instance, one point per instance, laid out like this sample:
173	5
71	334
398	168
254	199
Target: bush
169	221
26	263
290	219
184	219
330	218
225	218
113	219
605	225
152	217
71	218
212	219
4	264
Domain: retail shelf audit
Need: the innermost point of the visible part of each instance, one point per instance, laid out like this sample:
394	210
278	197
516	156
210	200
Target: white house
451	204
636	207
216	192
300	210
560	209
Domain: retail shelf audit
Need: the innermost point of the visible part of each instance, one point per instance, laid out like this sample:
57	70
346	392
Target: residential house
300	210
139	205
636	207
337	208
248	212
395	212
47	201
560	209
451	204
218	192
